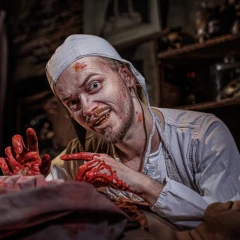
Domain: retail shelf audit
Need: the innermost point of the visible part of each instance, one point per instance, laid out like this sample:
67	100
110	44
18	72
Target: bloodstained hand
96	171
20	160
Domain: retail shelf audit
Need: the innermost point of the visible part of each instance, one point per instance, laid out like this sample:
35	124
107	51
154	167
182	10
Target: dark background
34	29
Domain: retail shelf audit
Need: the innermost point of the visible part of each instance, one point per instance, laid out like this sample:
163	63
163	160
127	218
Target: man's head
96	92
94	84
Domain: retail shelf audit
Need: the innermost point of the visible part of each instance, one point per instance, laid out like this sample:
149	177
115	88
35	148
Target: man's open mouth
102	120
99	121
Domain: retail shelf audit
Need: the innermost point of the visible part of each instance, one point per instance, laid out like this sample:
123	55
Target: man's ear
127	75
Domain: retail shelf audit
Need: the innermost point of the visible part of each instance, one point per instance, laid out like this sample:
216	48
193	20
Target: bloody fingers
25	160
5	168
32	140
80	156
18	144
9	151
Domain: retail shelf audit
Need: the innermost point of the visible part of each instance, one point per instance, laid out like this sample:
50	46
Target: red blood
22	160
80	156
140	117
32	140
91	173
79	66
18	143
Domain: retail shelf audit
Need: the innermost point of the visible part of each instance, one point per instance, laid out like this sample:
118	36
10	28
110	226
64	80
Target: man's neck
133	148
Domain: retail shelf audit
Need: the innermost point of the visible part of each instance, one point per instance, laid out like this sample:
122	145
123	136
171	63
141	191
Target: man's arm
217	168
175	201
103	171
219	164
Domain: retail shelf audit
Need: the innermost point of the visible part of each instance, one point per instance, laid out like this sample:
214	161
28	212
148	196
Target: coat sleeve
217	171
66	169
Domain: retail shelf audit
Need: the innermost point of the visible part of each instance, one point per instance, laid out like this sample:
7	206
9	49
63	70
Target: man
178	162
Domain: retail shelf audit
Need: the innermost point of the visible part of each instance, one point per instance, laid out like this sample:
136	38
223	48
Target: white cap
81	45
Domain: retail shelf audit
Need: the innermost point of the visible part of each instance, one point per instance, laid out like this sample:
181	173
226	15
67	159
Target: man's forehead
85	62
81	68
89	64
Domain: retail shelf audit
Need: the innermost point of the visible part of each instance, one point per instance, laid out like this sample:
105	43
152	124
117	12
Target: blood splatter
79	66
22	160
95	171
99	174
140	117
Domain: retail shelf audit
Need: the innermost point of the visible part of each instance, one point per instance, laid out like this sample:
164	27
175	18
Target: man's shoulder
183	118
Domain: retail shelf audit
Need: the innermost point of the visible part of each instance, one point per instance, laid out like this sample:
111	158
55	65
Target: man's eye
94	86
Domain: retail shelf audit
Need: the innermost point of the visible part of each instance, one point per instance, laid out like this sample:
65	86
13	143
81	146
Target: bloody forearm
99	173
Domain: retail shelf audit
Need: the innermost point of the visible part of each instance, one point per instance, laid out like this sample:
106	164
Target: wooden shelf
212	105
212	49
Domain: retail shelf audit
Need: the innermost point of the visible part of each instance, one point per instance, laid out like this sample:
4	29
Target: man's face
97	98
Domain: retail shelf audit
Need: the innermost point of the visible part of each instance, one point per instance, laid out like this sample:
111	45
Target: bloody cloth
32	208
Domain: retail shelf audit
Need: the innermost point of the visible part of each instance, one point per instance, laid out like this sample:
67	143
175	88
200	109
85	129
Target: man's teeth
102	119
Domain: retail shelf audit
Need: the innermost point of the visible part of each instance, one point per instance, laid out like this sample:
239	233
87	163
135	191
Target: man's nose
88	106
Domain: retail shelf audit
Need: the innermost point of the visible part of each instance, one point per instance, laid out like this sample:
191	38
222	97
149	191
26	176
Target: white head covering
81	45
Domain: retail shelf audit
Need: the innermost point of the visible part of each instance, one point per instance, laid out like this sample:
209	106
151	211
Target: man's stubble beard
127	116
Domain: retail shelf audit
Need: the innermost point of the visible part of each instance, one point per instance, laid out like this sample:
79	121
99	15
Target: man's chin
105	134
113	136
109	135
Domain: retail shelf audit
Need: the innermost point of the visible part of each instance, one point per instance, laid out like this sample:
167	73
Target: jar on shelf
221	74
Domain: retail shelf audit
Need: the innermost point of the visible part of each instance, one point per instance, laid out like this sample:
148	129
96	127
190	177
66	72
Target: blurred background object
201	21
221	74
3	69
175	38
